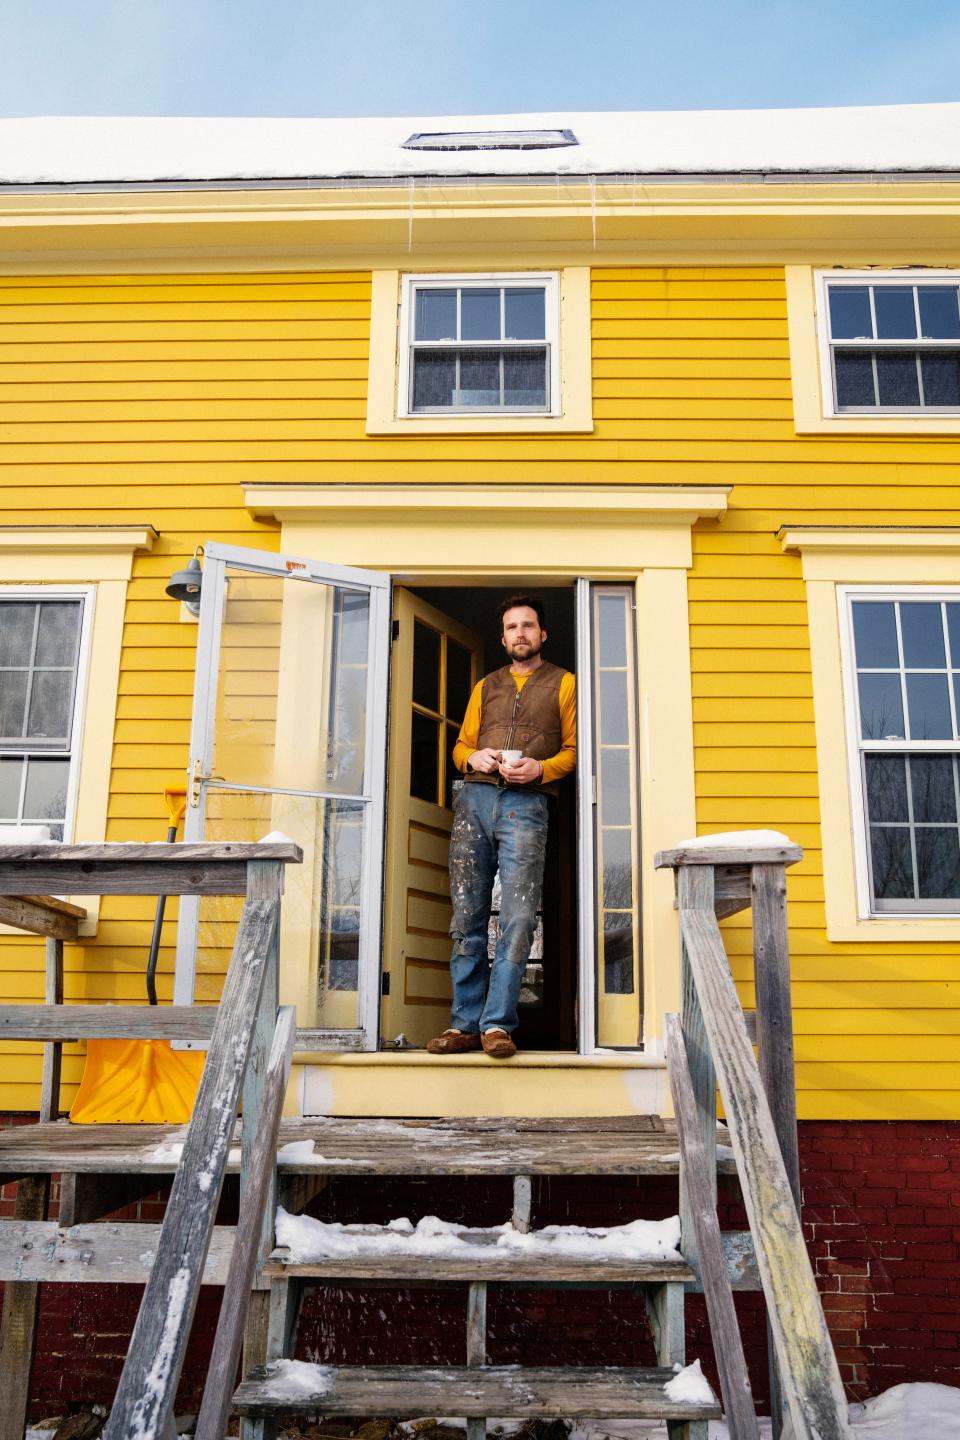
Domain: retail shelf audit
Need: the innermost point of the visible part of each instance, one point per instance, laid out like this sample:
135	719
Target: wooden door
436	663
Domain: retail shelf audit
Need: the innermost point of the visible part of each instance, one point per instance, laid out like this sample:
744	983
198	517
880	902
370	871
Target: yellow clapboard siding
151	398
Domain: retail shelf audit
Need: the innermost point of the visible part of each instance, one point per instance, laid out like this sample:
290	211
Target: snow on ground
309	1239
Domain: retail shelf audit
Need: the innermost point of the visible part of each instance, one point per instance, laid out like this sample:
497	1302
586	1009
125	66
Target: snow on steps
644	1251
407	1391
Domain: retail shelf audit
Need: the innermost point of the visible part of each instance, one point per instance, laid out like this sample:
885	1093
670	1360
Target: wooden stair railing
759	1107
244	1026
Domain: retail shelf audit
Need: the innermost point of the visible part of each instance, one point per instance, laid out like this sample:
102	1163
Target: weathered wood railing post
760	1107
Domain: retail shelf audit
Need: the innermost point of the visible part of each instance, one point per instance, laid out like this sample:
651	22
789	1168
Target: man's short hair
517	602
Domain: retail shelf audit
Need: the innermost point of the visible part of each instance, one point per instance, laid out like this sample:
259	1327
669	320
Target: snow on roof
76	150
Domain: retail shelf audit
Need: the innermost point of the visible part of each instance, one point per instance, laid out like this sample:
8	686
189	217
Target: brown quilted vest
527	719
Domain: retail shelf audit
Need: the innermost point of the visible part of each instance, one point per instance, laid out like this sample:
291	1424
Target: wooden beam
700	853
522	1203
155	1357
695	892
807	1362
738	1404
476	1347
221	1375
98	1022
121	1252
202	869
37	918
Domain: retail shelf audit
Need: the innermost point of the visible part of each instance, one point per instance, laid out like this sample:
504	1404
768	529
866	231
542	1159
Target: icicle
410	190
593	208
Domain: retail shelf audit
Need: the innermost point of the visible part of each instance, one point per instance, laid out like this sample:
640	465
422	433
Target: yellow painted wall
150	399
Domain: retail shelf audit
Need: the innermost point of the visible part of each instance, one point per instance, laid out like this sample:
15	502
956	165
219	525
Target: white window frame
412	282
86	594
847	279
846	596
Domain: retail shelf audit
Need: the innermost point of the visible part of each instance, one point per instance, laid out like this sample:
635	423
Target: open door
436	663
289	734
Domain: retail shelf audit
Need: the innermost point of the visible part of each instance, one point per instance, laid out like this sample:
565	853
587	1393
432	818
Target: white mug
511	757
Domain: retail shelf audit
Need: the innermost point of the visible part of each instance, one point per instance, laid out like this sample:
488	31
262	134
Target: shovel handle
158	923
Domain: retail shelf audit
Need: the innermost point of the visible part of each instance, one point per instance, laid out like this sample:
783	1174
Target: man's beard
532	648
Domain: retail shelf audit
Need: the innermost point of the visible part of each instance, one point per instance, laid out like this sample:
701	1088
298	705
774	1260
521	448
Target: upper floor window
890	344
483	344
906	657
40	648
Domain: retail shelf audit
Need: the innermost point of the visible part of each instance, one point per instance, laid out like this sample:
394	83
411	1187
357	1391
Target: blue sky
381	57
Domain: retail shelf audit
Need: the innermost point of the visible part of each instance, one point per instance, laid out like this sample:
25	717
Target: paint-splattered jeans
494	828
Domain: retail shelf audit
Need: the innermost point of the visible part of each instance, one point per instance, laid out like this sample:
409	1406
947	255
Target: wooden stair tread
646	1145
116	1252
500	1266
406	1391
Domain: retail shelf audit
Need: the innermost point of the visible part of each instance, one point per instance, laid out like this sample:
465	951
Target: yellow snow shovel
141	1082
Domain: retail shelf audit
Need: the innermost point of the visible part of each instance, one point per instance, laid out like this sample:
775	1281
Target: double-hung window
41	644
890	344
904	711
472	345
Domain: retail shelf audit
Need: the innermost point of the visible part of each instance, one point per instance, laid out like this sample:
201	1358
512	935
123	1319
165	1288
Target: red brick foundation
882	1217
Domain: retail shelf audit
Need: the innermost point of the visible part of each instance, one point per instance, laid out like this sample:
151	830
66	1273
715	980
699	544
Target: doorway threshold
533	1083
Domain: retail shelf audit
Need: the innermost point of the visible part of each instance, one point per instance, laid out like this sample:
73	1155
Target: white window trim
571	371
811	374
87	594
474	281
846	595
846	279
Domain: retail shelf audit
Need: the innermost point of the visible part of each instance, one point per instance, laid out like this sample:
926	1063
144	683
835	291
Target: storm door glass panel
288	692
616	823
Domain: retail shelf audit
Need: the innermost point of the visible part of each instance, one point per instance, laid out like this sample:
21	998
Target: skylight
490	140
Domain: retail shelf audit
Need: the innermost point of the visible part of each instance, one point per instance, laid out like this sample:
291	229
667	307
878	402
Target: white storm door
289	735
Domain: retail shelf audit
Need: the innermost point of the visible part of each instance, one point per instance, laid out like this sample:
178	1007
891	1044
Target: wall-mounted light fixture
185	584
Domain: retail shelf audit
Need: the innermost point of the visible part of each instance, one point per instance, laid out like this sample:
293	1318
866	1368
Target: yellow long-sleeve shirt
559	765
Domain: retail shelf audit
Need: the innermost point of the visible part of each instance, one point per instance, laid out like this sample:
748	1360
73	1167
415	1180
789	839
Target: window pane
617	878
953	632
436	315
339	941
618	955
525	377
887	787
881	707
16	631
611	630
892	863
615	787
479	378
875	635
424	755
854	371
458	680
480	315
13	699
434	379
11	774
58	633
850	312
453	776
939	312
426	666
50	705
932	788
45	797
938	864
941	379
929	705
921	627
897	380
525	317
614	718
896	318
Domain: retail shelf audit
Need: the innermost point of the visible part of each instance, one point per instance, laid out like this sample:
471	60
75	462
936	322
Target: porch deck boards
617	1145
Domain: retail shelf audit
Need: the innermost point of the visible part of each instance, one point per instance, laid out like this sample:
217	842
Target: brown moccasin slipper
453	1042
498	1045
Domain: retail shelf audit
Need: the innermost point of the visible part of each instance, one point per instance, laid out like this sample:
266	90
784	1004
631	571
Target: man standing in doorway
500	823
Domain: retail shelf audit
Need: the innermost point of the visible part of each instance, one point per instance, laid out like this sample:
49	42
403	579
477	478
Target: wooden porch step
617	1145
499	1267
404	1392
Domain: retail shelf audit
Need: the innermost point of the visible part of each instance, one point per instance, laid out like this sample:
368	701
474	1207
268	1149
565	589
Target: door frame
200	780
